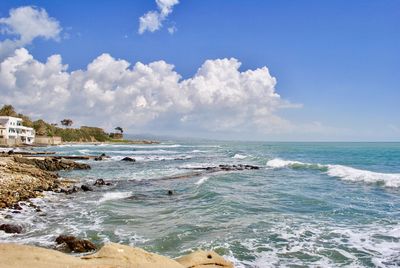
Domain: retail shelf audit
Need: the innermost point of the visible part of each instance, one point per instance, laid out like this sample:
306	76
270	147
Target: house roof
10	117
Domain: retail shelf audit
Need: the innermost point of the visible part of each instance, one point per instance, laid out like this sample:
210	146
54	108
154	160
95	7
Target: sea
309	204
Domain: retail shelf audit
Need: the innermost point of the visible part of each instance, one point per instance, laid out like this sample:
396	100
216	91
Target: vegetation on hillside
43	128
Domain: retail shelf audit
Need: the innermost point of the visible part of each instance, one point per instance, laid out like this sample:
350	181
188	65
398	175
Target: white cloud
25	24
152	20
172	29
109	92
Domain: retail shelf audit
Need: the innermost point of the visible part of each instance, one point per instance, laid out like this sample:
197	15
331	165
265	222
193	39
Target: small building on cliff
12	132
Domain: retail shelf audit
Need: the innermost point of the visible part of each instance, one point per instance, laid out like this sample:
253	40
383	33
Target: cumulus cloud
25	24
152	20
109	92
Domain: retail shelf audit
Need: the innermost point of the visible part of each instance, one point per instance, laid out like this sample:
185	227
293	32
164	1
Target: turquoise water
310	204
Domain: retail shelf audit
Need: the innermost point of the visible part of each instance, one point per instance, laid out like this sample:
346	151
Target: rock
128	159
11	228
170	192
99	158
204	259
115	255
52	163
110	255
17	207
86	188
70	190
76	245
101	182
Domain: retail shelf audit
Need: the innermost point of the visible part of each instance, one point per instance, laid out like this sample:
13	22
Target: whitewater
308	204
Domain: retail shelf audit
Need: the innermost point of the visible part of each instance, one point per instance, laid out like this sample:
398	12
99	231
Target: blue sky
336	62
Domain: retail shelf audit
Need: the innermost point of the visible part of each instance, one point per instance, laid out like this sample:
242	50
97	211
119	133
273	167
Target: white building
12	128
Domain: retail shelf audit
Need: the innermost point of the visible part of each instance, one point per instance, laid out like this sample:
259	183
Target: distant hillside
42	128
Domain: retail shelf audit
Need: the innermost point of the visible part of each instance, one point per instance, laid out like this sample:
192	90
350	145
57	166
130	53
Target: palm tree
119	129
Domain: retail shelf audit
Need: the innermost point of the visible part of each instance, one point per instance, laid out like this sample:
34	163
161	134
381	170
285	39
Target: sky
230	69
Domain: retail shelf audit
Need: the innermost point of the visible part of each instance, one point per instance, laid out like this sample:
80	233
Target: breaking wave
342	172
114	196
239	156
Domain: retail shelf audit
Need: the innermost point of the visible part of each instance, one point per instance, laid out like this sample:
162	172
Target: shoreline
23	177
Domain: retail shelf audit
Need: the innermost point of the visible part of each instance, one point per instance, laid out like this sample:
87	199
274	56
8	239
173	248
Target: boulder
11	228
128	159
86	188
70	190
101	182
75	244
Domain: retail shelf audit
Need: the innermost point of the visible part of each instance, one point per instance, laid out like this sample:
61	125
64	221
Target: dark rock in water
75	244
99	158
71	190
17	207
86	188
7	217
16	211
103	155
10	152
101	182
11	228
170	192
128	159
227	168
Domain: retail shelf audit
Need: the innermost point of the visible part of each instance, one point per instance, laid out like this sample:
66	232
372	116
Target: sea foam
342	172
239	156
114	196
202	180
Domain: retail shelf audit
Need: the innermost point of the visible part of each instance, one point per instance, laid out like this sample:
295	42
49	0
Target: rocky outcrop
22	178
226	168
76	245
128	159
86	188
51	163
11	228
101	182
20	181
110	255
100	157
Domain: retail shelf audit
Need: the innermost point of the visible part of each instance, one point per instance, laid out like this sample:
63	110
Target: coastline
23	176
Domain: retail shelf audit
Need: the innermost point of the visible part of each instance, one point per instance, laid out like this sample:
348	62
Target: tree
8	110
66	122
40	127
119	129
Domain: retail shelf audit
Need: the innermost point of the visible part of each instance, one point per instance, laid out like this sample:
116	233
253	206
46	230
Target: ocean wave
342	172
201	181
114	196
379	244
239	156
